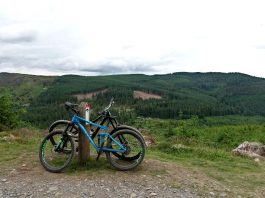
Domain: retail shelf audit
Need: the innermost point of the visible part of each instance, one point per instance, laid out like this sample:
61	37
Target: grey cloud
126	47
102	69
47	57
260	47
5	59
117	69
25	37
68	65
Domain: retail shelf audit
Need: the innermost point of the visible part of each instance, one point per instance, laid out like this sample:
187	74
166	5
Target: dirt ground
152	179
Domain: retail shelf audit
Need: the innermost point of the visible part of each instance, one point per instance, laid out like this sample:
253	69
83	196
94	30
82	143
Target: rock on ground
251	149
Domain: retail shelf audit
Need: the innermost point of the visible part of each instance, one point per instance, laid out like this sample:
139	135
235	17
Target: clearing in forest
89	95
145	96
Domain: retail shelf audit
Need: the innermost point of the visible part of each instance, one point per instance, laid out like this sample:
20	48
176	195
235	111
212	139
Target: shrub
9	112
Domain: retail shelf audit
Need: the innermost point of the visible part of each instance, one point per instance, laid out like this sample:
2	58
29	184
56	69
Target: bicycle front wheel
56	155
134	145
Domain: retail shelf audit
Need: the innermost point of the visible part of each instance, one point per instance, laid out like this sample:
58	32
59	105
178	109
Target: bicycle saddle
69	105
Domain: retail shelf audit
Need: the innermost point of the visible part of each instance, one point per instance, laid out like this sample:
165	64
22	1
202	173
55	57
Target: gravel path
149	181
102	186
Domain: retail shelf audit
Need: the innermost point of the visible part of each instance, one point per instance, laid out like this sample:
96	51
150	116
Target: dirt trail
152	179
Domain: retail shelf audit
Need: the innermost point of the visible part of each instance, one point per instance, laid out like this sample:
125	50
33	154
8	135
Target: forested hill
177	95
25	88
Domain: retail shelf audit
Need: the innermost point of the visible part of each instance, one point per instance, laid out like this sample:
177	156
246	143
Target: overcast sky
52	37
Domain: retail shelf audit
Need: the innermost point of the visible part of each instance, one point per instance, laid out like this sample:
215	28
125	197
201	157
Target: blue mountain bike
125	148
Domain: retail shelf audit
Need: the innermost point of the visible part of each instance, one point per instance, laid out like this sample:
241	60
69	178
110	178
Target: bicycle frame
106	118
76	120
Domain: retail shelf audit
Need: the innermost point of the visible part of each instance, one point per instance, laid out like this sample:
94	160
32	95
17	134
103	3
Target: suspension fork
66	135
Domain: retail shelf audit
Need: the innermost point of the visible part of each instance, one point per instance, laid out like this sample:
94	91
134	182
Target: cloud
64	64
24	37
110	68
17	33
260	47
4	59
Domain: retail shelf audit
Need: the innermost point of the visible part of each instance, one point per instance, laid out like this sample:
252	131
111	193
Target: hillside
181	94
24	87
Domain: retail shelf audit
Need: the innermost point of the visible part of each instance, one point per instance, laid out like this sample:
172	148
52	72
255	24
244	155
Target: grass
205	146
240	175
18	146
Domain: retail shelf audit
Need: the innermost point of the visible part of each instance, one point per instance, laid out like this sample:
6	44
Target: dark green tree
9	111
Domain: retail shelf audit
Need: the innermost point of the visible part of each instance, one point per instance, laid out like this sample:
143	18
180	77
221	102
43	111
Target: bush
9	112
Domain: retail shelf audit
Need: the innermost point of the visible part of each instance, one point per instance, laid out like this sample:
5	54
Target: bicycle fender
120	127
127	127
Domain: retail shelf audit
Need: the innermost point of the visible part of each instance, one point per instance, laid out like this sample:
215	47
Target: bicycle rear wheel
61	125
56	157
124	157
134	145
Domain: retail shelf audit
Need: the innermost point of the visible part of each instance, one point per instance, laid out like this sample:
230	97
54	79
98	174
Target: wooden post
84	145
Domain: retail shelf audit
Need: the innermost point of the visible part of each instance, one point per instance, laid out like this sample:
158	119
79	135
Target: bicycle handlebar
72	106
110	104
108	107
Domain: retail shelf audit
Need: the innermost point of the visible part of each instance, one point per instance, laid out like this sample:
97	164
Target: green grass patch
17	146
